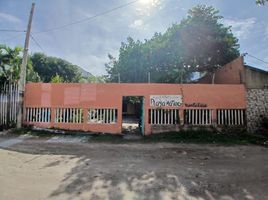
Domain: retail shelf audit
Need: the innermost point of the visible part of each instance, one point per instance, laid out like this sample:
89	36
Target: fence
9	104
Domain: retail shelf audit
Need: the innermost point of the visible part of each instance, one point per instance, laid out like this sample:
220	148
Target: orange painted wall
231	73
74	95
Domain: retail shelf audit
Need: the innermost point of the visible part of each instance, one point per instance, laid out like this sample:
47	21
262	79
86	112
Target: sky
87	44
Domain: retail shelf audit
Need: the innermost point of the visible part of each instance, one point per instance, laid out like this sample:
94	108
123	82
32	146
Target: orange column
85	118
53	117
181	114
214	117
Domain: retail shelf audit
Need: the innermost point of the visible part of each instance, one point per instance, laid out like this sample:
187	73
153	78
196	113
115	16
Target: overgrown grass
207	137
45	133
187	136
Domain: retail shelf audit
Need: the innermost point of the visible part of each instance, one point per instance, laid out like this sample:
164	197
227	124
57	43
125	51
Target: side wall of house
231	73
255	79
257	108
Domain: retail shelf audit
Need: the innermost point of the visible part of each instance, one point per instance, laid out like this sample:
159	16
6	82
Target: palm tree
10	62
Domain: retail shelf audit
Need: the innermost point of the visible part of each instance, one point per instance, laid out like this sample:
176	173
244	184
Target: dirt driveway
37	169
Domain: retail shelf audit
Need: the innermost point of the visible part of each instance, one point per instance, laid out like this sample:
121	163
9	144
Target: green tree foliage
96	79
31	75
10	63
261	2
207	44
48	67
198	43
56	79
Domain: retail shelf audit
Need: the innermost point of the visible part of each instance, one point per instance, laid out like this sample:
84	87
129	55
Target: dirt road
37	169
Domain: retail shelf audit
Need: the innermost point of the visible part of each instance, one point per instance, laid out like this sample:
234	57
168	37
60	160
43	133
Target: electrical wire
247	54
88	18
37	43
11	30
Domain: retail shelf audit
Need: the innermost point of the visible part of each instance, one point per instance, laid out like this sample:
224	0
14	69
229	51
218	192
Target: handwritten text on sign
165	100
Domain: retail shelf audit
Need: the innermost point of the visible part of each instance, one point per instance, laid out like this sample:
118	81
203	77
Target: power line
11	30
13	37
37	43
89	18
247	54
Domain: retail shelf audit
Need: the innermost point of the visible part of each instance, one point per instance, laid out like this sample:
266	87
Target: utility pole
149	77
23	70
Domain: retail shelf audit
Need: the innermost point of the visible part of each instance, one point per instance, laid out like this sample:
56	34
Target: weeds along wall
167	107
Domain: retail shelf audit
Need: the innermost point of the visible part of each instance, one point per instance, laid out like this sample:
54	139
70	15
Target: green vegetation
10	61
199	43
200	136
48	133
56	79
41	68
190	136
48	67
261	2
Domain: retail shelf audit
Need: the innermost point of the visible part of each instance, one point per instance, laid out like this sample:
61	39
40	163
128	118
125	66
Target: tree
56	79
261	2
48	67
207	43
96	79
31	75
10	63
198	43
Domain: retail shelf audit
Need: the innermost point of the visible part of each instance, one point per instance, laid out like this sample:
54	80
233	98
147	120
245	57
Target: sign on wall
165	100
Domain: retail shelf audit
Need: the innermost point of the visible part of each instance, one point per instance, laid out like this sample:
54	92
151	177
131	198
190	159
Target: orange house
163	107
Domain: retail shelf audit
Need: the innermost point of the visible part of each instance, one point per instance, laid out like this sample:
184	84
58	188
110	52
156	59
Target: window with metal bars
69	115
37	114
102	115
164	116
198	116
231	116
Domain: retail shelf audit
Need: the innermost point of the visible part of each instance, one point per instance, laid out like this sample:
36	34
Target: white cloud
146	7
9	18
137	24
241	27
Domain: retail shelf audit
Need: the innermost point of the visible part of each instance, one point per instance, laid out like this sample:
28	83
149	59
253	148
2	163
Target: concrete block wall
257	107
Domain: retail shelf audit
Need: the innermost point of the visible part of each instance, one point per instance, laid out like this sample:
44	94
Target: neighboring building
256	82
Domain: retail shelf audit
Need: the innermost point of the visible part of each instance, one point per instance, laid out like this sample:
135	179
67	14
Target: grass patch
207	137
48	133
187	136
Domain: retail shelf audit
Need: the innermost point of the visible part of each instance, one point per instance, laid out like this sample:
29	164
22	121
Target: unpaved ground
36	169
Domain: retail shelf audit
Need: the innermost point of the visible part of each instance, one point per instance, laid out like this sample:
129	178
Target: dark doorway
132	115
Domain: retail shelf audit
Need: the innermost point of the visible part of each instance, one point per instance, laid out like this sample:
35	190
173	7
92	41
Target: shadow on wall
85	181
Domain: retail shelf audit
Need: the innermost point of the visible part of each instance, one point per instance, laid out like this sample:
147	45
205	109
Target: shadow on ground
169	174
